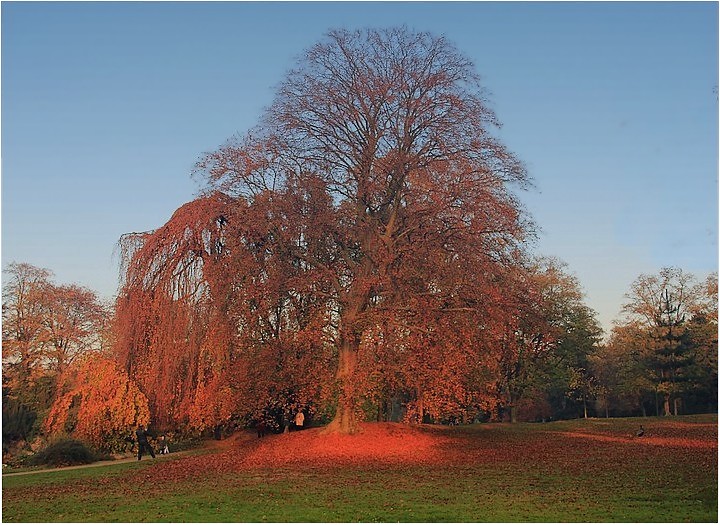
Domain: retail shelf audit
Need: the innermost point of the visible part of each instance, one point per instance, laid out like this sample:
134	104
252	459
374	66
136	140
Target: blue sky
612	106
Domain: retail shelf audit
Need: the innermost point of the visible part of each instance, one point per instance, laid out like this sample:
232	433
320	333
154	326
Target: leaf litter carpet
388	445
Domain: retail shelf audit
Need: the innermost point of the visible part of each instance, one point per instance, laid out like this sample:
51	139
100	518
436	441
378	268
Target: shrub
534	407
179	443
63	452
17	420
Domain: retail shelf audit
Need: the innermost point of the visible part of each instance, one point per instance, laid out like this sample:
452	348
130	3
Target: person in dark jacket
142	441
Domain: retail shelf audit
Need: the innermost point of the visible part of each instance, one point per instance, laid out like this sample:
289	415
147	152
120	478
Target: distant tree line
660	358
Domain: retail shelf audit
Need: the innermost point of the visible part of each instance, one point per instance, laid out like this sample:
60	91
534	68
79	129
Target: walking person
286	421
142	442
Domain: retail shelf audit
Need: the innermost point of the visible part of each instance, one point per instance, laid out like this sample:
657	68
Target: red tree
365	227
72	325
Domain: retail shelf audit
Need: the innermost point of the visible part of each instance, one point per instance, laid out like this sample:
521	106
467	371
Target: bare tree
22	312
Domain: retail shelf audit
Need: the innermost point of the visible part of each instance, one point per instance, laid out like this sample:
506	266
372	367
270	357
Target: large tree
675	312
366	222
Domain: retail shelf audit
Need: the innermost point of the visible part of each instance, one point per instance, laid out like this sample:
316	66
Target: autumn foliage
385	446
99	404
178	328
363	243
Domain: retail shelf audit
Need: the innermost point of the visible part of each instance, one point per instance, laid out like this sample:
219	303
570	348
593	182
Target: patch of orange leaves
388	444
376	443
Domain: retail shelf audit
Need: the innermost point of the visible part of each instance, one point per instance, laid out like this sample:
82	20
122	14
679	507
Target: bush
17	420
180	443
64	452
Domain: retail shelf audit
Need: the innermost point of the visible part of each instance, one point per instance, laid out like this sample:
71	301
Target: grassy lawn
567	471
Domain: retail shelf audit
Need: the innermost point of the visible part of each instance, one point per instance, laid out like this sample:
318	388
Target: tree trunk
666	405
584	407
513	411
355	302
345	420
421	406
676	404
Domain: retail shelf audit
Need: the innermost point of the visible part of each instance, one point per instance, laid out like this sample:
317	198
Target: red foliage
99	404
208	270
662	434
681	442
392	445
357	253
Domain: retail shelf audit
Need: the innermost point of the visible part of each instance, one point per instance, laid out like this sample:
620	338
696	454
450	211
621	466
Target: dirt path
217	445
100	463
73	467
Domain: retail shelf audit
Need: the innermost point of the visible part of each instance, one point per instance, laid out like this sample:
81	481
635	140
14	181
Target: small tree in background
664	304
553	339
24	341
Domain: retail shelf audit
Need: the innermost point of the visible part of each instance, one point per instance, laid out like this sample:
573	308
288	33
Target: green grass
604	483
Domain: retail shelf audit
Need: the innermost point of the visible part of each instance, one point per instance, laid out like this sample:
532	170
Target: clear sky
612	106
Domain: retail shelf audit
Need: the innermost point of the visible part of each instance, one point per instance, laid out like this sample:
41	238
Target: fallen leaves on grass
677	442
377	443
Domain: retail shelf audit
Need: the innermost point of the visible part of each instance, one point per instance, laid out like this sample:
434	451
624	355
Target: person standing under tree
286	421
142	442
299	420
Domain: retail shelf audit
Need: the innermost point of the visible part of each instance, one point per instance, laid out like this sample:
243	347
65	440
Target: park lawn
576	471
